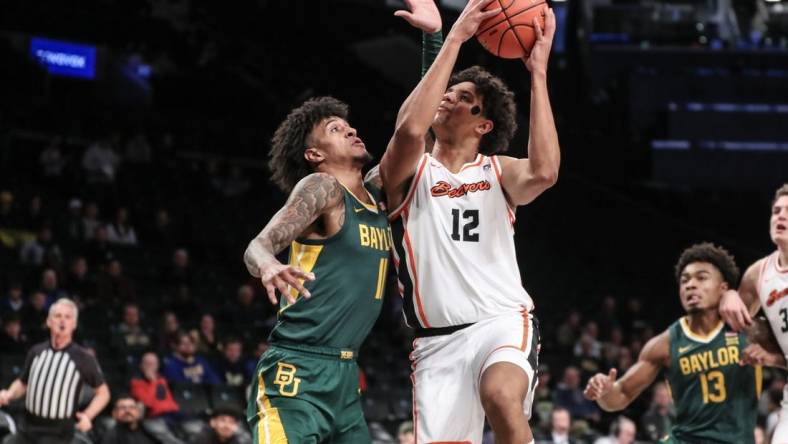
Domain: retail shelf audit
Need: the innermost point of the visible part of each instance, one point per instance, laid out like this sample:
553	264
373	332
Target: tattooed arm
313	196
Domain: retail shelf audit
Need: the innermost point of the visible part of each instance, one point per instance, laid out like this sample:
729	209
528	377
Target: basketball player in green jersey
307	385
716	398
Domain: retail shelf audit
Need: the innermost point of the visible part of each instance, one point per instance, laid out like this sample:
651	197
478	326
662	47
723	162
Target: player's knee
502	401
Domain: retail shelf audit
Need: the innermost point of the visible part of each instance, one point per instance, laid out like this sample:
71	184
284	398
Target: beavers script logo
444	188
775	296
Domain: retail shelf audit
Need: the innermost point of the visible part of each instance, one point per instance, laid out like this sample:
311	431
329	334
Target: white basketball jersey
454	246
773	292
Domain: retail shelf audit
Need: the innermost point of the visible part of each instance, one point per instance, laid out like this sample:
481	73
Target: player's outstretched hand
536	62
283	277
754	354
422	14
600	384
733	311
5	397
84	424
472	16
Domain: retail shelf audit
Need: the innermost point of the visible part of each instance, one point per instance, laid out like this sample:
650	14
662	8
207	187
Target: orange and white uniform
460	283
773	293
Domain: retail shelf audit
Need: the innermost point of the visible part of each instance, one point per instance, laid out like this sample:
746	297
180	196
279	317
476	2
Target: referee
52	379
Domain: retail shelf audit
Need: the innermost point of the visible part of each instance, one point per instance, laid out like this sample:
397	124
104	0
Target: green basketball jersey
715	398
350	271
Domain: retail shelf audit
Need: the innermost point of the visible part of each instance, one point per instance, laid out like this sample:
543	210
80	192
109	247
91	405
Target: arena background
671	116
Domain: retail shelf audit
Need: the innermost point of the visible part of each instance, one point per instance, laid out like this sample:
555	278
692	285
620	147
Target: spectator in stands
180	301
659	418
625	359
251	363
79	284
70	228
8	217
569	331
138	149
569	395
586	356
50	287
113	288
120	230
34	219
51	159
205	337
34	317
55	421
543	396
101	162
180	272
127	429
98	250
170	327
184	366
41	250
607	317
152	389
560	420
244	316
231	367
129	337
90	221
13	340
405	433
163	234
589	339
622	431
13	303
636	319
223	429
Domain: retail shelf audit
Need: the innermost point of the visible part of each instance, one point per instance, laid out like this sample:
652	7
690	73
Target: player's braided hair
782	191
286	158
497	105
713	254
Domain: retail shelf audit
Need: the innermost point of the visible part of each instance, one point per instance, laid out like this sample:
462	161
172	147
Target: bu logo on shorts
286	380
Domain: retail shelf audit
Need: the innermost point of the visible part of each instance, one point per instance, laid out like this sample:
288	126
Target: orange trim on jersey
525	330
412	258
411	191
762	273
413	385
471	165
498	175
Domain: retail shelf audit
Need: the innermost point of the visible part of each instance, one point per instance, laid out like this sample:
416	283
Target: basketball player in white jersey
453	210
765	285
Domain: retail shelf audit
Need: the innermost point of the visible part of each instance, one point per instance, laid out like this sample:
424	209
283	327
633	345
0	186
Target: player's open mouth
781	227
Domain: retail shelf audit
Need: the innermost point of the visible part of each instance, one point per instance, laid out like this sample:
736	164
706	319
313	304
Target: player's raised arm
738	307
525	179
613	395
313	196
417	112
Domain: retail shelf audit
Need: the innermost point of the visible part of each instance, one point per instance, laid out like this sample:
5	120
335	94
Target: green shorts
305	394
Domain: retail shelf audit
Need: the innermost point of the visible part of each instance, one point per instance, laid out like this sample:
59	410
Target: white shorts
781	429
447	373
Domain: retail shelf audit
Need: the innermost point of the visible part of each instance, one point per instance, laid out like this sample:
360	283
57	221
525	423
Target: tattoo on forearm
311	196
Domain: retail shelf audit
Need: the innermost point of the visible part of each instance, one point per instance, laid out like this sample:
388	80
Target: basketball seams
510	25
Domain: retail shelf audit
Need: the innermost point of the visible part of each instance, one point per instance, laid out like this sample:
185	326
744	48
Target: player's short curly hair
712	254
782	191
286	158
497	105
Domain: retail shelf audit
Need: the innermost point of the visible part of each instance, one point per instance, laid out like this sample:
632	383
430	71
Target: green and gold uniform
307	385
716	398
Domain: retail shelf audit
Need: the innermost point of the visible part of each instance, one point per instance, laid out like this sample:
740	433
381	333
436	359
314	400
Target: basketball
511	34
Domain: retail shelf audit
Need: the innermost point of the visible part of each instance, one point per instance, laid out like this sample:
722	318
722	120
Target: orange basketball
510	34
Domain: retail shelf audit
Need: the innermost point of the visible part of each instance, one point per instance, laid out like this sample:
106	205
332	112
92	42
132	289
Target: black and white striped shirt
54	380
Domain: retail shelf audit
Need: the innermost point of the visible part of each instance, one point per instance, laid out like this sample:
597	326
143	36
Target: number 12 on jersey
469	221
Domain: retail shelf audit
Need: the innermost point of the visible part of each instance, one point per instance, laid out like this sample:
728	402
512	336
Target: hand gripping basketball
472	16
